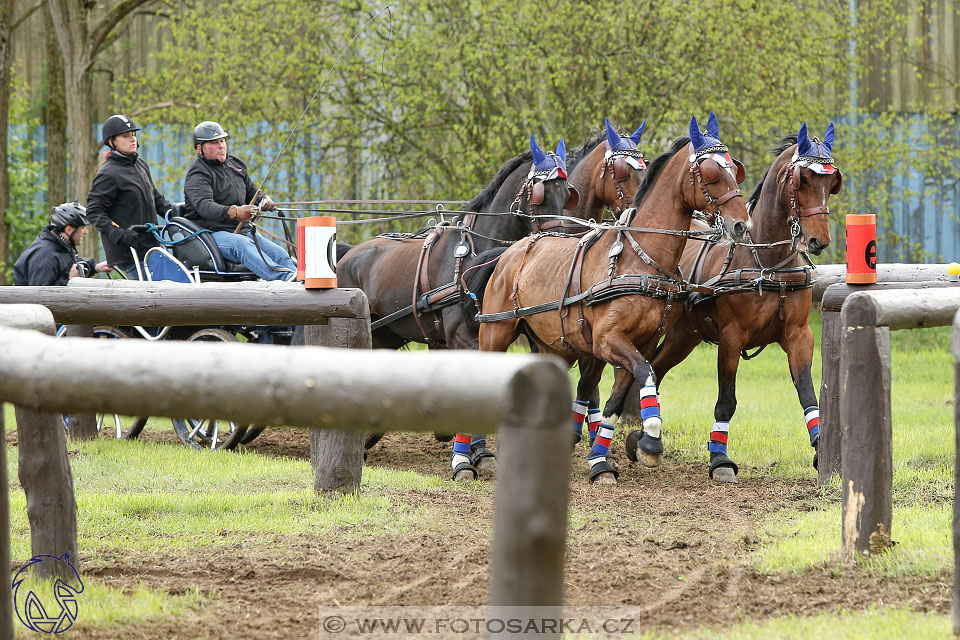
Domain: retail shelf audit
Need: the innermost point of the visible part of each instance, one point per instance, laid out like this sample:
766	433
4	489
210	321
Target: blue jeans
239	247
129	269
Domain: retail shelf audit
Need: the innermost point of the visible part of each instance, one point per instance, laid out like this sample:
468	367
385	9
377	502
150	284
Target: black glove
137	236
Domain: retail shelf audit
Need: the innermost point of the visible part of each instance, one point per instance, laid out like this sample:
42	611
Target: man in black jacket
52	258
123	198
218	194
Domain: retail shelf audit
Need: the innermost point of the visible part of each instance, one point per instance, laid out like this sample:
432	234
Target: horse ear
613	138
713	127
695	136
804	146
828	140
538	155
562	151
636	135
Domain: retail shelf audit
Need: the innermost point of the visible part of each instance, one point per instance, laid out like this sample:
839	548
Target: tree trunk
6	595
47	482
55	119
5	17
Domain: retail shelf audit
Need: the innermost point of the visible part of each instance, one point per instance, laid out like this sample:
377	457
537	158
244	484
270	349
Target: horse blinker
709	170
741	172
536	193
836	187
572	200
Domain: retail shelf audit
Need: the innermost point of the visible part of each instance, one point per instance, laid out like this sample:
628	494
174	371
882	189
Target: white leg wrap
652	426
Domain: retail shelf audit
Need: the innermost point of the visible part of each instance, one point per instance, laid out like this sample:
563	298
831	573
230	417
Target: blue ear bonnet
544	162
708	141
814	148
617	142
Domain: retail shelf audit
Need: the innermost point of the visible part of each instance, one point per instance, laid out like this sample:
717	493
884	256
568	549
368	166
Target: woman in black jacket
123	197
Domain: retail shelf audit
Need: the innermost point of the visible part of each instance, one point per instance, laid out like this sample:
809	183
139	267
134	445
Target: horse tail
476	274
342	248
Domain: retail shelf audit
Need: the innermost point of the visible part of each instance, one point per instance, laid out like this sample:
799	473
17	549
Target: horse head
715	177
622	169
545	191
806	184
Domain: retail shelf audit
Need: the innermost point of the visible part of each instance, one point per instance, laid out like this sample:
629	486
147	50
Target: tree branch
29	12
164	105
109	22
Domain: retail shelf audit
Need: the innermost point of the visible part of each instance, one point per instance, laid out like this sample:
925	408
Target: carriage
187	254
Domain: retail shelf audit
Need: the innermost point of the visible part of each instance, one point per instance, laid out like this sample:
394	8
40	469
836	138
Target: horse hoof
464	475
605	478
443	437
633	439
724	474
649	460
487	464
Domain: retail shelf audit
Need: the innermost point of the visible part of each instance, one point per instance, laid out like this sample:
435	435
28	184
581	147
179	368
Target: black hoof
816	460
443	437
816	452
574	441
601	468
479	454
723	469
461	470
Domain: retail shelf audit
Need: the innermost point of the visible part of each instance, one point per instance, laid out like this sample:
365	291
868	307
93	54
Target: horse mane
485	197
785	143
655	168
574	156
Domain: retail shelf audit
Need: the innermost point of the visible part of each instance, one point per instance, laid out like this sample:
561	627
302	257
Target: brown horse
765	288
620	283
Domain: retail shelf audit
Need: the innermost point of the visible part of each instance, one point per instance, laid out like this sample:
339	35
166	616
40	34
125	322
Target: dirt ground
670	543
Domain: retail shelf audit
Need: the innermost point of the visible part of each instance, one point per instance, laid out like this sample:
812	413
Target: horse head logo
44	617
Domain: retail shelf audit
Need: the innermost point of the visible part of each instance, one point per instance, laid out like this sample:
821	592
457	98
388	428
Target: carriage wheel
120	427
204	433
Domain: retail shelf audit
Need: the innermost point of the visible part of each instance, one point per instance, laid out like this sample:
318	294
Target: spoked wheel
113	425
204	433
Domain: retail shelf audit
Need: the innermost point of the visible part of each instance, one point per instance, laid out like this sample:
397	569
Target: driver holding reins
217	192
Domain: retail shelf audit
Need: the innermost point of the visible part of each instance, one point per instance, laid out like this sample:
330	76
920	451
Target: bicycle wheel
120	427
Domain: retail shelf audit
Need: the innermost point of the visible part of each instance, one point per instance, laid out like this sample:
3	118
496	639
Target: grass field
164	530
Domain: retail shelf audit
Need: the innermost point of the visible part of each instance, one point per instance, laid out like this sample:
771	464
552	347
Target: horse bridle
705	170
619	165
534	191
793	187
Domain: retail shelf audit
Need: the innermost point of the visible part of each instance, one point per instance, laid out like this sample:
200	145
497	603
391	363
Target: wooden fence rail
867	317
830	274
527	397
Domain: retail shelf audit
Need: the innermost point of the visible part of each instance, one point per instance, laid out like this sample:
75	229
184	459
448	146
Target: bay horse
765	290
412	281
619	295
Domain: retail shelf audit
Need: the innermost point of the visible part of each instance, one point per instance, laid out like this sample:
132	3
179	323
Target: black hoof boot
643	448
575	439
599	471
483	459
723	469
633	438
816	453
465	472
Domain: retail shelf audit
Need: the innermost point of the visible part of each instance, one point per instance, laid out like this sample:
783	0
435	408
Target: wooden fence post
337	456
530	522
83	426
6	593
955	346
866	437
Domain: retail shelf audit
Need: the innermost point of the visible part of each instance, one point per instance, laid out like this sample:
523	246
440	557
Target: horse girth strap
421	283
573	287
643	284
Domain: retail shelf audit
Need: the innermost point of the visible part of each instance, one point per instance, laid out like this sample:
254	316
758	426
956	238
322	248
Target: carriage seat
200	251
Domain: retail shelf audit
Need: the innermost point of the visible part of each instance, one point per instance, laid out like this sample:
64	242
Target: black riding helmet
69	213
207	131
114	126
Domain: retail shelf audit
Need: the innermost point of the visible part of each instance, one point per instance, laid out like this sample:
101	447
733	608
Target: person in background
52	258
217	192
123	199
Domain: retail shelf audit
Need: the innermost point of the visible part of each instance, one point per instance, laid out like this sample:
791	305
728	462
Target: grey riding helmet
208	131
114	126
69	213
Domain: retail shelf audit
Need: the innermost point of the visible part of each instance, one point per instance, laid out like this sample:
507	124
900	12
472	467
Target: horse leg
722	468
495	336
798	345
645	445
588	399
